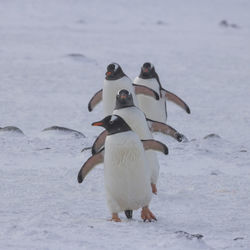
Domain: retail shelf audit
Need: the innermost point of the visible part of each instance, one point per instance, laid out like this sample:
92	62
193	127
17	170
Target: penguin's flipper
99	142
95	100
90	164
155	145
177	100
165	129
140	89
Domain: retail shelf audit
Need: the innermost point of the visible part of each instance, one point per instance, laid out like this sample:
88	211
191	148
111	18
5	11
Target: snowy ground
53	56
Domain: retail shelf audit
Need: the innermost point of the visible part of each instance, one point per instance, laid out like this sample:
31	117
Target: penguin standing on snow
156	110
142	126
116	80
136	119
126	176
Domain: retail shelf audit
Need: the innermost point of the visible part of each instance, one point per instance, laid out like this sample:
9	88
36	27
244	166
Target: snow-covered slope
53	57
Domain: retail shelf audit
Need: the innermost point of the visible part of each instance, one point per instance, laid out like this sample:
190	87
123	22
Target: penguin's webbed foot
115	218
147	215
154	188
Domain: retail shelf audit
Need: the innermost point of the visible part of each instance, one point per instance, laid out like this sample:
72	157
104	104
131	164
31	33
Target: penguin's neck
152	76
115	77
122	106
120	130
124	127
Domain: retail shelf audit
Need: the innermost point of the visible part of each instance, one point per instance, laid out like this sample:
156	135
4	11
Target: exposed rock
81	58
212	136
188	235
226	24
239	238
65	131
12	129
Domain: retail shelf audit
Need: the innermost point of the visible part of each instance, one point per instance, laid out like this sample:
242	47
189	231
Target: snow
53	59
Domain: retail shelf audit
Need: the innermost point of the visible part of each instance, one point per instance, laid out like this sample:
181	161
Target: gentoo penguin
126	176
116	80
136	119
156	110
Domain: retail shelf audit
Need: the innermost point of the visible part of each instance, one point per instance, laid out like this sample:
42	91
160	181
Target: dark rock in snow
77	56
82	21
216	172
239	238
64	130
235	26
188	235
160	22
44	148
226	24
243	151
81	58
12	129
212	136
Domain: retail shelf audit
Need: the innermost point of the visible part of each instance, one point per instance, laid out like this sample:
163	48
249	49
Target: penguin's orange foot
147	215
154	188
115	218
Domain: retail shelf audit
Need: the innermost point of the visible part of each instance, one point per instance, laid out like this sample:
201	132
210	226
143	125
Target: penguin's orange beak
108	73
145	70
97	124
123	96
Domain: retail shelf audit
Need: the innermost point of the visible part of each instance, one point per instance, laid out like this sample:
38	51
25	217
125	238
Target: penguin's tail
129	213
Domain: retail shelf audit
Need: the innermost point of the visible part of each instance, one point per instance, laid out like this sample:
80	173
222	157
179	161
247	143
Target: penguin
126	176
116	80
136	119
156	109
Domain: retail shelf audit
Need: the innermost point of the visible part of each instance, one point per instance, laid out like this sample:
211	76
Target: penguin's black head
114	72
124	99
113	124
147	71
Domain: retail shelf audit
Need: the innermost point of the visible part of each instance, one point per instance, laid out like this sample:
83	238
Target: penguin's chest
125	173
153	109
123	152
110	90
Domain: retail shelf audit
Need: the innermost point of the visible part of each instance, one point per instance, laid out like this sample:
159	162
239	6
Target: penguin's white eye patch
113	118
116	66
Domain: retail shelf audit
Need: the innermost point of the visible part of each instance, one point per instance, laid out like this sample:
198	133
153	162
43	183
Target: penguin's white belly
135	118
126	176
111	89
153	109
